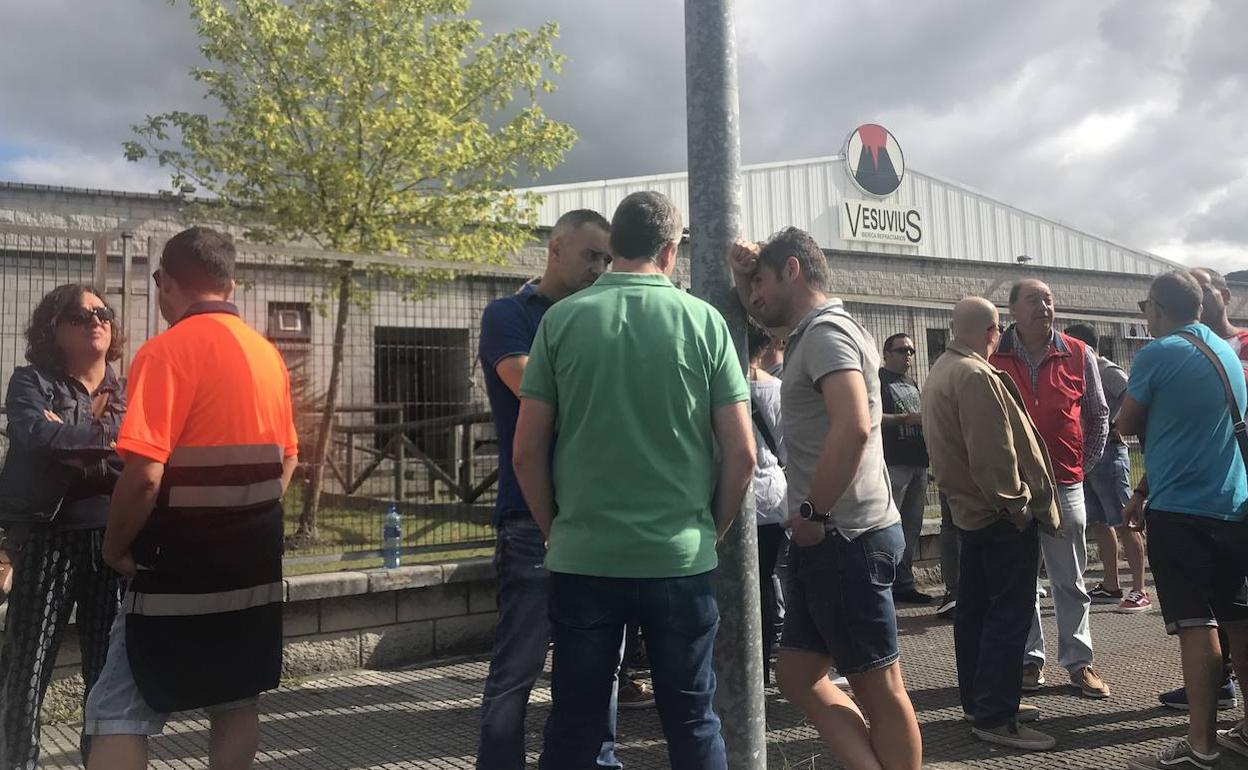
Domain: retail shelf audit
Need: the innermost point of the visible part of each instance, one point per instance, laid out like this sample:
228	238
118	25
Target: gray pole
714	221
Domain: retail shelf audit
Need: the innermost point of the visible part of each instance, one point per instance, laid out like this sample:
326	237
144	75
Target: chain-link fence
412	423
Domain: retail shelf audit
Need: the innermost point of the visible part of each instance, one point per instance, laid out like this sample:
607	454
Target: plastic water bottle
391	537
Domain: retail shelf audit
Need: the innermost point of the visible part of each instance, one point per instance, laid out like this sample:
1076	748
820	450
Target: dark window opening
421	374
937	340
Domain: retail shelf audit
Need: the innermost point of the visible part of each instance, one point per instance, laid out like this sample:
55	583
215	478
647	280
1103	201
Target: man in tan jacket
989	461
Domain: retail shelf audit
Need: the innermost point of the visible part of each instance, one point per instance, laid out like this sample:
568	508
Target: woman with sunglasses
64	411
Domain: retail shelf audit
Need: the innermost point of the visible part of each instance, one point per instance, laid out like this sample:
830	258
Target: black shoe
947	606
911	596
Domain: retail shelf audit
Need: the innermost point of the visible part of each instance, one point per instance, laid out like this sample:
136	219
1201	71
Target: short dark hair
1179	295
571	220
888	343
1084	333
757	339
793	242
643	224
41	348
201	259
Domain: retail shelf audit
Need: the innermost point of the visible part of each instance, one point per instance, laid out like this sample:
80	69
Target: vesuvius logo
874	158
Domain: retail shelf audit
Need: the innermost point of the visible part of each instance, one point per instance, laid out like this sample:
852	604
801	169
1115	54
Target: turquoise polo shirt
635	369
1190	453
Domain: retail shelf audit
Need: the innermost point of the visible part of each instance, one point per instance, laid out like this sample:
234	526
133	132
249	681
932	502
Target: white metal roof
960	223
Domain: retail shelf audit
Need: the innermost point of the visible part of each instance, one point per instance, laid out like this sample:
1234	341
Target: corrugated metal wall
958	223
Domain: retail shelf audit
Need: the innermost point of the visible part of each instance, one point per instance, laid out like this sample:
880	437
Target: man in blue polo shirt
1197	497
577	254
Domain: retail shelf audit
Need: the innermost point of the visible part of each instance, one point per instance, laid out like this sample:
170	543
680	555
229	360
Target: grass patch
407	560
343	530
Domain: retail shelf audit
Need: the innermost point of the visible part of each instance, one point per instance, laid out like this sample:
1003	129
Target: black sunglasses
82	316
156	277
903	351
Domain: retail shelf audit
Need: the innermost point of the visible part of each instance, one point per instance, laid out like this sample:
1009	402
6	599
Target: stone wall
345	620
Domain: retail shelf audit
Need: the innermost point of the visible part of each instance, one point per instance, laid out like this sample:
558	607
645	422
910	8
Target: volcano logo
874	160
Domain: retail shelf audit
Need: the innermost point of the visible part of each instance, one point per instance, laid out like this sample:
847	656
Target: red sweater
1055	405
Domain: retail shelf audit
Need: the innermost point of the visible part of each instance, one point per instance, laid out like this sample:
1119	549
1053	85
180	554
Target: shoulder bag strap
1241	430
763	429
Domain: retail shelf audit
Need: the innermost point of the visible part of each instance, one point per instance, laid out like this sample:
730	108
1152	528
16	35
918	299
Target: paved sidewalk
427	717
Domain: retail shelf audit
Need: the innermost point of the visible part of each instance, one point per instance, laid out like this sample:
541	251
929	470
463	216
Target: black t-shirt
903	444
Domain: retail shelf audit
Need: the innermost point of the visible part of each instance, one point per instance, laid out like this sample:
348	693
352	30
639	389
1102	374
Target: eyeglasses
903	351
82	316
1144	303
156	277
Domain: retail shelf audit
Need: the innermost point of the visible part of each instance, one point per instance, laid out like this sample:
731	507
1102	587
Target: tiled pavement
427	717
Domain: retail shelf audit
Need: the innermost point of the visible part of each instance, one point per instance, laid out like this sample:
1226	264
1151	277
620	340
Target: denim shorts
115	705
1107	487
839	599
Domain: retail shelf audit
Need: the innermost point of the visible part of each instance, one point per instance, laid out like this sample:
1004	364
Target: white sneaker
1016	736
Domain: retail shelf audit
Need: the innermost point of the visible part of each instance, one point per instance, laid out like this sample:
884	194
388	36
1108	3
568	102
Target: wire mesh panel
411	424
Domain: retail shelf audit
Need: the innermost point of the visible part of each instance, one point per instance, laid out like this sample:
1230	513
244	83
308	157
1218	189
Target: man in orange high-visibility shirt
196	520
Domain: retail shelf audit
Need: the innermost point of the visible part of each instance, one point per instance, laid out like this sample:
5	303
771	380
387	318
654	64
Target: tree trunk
307	532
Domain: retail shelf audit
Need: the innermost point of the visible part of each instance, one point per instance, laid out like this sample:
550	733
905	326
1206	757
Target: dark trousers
54	572
678	618
996	597
520	644
771	541
950	548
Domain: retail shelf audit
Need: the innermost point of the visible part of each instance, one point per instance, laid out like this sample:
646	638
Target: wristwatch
807	511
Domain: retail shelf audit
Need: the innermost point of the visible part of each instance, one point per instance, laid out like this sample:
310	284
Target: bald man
988	460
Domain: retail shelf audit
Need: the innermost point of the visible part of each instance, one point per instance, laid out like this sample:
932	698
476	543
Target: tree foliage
362	126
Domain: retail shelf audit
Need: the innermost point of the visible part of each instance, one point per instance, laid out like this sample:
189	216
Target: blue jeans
909	484
839	599
678	617
1107	487
520	644
997	590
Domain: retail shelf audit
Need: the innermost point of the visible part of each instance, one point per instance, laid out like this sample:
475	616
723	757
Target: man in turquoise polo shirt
642	383
1197	497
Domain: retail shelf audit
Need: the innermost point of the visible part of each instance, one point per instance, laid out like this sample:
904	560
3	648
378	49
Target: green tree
362	126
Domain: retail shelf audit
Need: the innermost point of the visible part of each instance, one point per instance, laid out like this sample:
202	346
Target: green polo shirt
635	369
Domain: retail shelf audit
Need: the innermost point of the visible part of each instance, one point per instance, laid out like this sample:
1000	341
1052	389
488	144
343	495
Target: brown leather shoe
1033	677
1090	685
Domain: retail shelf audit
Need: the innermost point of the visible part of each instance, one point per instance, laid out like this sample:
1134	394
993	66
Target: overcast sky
1125	118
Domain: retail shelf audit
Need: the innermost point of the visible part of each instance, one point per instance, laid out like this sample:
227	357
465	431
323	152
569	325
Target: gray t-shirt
1113	383
829	340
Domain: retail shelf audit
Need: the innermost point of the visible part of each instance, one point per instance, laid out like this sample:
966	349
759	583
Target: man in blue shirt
577	254
1198	494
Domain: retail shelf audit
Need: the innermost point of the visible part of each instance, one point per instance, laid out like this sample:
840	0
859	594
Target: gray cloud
1123	117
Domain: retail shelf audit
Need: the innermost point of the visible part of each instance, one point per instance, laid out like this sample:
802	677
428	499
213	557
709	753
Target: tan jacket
987	456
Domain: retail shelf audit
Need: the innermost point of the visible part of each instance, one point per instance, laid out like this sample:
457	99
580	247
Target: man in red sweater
1058	378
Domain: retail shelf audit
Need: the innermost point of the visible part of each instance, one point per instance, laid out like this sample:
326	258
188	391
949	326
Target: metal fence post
126	288
400	467
714	221
99	273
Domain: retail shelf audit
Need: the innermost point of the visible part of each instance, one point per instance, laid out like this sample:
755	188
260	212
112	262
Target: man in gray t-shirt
826	341
847	539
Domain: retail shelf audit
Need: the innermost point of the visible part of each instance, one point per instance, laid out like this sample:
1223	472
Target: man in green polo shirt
643	385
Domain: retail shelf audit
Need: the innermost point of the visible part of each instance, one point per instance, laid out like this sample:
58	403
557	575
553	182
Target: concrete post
714	221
